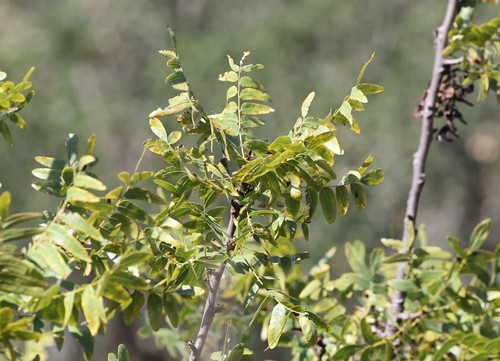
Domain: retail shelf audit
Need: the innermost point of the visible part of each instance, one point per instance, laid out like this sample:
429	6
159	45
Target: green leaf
444	349
308	328
157	127
367	88
311	202
367	332
229	76
133	259
247	82
45	254
172	309
305	231
373	177
69	301
4	130
17	218
342	200
85	181
62	237
254	94
72	142
140	176
479	235
236	353
123	354
359	195
363	69
84	338
5	200
143	195
227	122
91	309
76	194
346	352
76	221
276	325
115	291
134	309
328	204
306	104
357	94
19	233
403	285
366	164
394	244
293	204
320	324
154	311
176	77
130	281
255	109
135	212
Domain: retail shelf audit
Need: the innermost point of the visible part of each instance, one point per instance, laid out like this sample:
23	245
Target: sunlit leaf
306	104
76	194
62	237
91	309
373	177
276	325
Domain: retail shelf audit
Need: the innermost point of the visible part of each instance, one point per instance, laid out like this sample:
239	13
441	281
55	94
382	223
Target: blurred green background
98	71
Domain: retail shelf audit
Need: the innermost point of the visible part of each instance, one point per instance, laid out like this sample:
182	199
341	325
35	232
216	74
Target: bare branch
420	156
213	286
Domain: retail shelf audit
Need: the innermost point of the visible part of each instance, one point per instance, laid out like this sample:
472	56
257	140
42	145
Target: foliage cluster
131	248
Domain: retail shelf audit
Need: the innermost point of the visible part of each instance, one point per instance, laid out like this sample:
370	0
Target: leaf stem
213	286
419	159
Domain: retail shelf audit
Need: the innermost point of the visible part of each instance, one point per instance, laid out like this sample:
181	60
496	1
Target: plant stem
419	159
213	286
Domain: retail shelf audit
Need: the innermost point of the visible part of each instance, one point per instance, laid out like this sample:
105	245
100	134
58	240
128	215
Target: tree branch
420	156
213	286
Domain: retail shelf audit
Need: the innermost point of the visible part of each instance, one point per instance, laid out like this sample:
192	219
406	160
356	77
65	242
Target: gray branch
419	158
213	286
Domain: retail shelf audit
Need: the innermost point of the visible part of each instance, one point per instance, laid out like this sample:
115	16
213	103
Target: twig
419	159
213	286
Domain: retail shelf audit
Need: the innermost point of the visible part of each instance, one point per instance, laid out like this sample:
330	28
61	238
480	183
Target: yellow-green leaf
342	200
76	194
85	181
62	237
91	309
276	325
373	177
255	109
308	328
76	221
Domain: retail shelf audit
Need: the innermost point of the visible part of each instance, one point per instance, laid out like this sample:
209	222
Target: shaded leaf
154	311
359	195
328	204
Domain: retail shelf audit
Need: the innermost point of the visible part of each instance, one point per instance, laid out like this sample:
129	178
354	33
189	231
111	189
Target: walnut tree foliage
147	249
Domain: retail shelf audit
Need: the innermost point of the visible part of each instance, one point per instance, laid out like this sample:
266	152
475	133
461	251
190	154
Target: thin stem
213	286
240	133
419	158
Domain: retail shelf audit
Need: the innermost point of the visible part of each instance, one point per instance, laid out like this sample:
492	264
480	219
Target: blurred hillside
98	71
